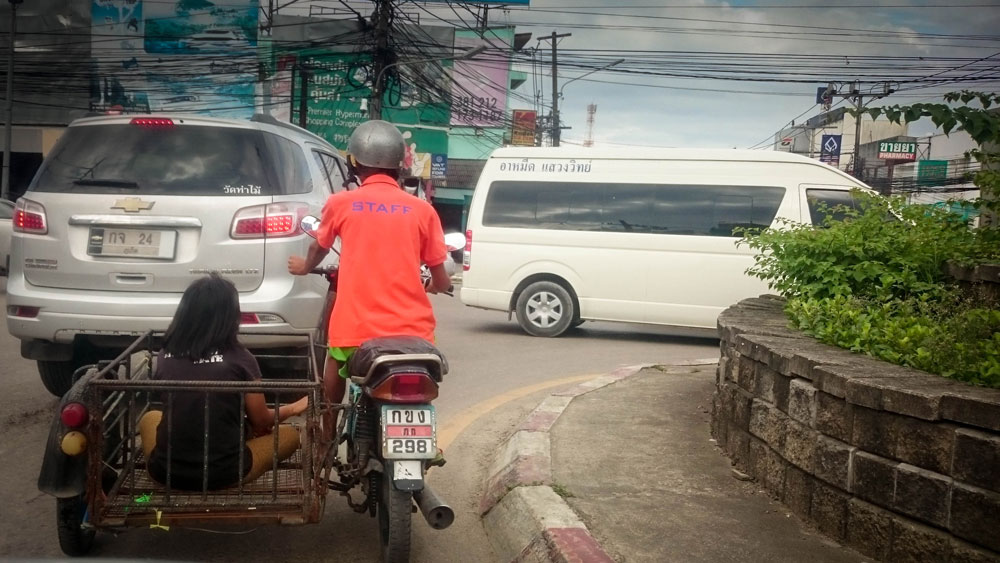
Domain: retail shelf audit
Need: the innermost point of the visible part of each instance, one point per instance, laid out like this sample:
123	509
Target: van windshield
180	160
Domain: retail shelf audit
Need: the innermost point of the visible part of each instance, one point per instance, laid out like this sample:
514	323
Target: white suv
126	211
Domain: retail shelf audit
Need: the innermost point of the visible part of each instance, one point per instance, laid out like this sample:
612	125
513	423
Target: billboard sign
190	56
478	87
338	100
932	172
523	132
830	149
895	150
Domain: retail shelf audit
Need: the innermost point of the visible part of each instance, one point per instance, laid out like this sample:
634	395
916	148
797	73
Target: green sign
339	90
932	172
896	150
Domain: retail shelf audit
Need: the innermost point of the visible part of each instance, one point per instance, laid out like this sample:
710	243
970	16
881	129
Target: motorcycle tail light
467	255
405	387
74	415
29	217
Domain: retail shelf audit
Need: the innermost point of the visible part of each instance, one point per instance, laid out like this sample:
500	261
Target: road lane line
457	424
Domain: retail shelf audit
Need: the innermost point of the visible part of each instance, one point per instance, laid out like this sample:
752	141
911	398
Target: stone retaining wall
897	463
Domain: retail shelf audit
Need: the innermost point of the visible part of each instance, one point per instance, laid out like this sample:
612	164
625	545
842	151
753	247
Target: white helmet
377	144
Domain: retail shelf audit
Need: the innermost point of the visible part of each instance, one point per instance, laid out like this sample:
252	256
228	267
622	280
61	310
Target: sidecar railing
121	391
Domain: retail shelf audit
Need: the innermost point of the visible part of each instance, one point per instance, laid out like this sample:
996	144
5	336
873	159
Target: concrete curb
525	520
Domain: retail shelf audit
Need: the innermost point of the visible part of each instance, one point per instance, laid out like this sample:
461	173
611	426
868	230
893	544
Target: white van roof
650	153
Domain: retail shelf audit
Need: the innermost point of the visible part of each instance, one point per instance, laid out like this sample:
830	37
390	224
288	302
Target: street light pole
605	67
376	102
9	125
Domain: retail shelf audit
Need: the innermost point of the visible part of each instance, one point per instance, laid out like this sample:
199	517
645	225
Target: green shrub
875	283
951	338
885	249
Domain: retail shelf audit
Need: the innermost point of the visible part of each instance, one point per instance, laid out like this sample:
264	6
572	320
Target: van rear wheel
545	308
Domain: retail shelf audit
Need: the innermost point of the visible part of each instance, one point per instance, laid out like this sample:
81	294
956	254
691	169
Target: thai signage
895	150
523	132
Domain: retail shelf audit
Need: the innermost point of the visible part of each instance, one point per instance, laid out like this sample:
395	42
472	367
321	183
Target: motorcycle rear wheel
394	513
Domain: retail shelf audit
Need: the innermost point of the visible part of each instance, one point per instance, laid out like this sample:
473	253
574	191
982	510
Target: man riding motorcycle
385	234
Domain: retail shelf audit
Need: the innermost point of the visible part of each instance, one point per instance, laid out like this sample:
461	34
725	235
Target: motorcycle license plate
409	432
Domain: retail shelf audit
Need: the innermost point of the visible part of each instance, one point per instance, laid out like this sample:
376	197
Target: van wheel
545	308
57	376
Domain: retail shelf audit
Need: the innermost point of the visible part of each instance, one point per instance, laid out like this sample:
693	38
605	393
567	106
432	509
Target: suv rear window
179	160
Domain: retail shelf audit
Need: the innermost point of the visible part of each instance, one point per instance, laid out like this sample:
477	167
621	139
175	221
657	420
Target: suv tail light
271	221
406	387
153	122
467	255
29	217
22	311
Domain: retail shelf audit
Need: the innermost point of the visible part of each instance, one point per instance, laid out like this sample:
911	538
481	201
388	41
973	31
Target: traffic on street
515	281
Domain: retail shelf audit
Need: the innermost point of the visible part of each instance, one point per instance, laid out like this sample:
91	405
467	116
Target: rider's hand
297	266
300	406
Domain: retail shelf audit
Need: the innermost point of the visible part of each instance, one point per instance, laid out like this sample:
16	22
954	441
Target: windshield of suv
179	160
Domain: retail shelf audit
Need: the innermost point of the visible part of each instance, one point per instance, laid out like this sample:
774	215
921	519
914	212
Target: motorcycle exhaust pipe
438	514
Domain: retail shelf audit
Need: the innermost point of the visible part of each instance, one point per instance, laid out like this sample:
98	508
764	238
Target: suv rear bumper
65	314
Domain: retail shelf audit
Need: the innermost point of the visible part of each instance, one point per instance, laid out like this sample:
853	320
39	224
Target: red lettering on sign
409	431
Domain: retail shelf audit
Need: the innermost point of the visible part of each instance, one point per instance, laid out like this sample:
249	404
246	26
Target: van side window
631	208
822	203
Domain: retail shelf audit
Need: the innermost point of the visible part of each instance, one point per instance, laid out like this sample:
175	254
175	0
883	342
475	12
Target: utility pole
858	98
383	18
9	125
556	130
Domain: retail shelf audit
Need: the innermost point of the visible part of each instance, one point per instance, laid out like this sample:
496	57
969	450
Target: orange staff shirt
385	235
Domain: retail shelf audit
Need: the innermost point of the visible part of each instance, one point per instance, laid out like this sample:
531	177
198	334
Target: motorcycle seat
366	354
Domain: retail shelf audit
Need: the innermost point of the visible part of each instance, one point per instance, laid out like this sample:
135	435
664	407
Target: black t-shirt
188	421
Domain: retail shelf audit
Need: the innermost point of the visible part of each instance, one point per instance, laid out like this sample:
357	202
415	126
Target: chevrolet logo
133	205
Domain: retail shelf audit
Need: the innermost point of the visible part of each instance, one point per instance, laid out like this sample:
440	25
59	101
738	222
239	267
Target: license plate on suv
409	432
132	243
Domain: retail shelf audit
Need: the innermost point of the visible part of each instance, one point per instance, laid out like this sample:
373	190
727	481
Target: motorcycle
390	426
383	445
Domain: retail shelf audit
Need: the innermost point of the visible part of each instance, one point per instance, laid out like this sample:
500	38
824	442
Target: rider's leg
262	450
147	431
333	392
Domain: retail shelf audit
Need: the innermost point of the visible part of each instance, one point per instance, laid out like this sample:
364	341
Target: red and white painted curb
526	521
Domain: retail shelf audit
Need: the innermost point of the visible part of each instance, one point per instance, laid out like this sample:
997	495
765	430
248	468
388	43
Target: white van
563	235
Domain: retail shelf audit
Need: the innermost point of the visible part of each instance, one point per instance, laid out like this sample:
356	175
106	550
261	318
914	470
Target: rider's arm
440	281
300	266
262	416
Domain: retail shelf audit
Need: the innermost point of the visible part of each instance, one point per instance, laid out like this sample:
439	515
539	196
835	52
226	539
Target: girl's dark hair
207	319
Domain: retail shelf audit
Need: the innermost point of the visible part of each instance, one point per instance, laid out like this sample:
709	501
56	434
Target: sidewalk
623	468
